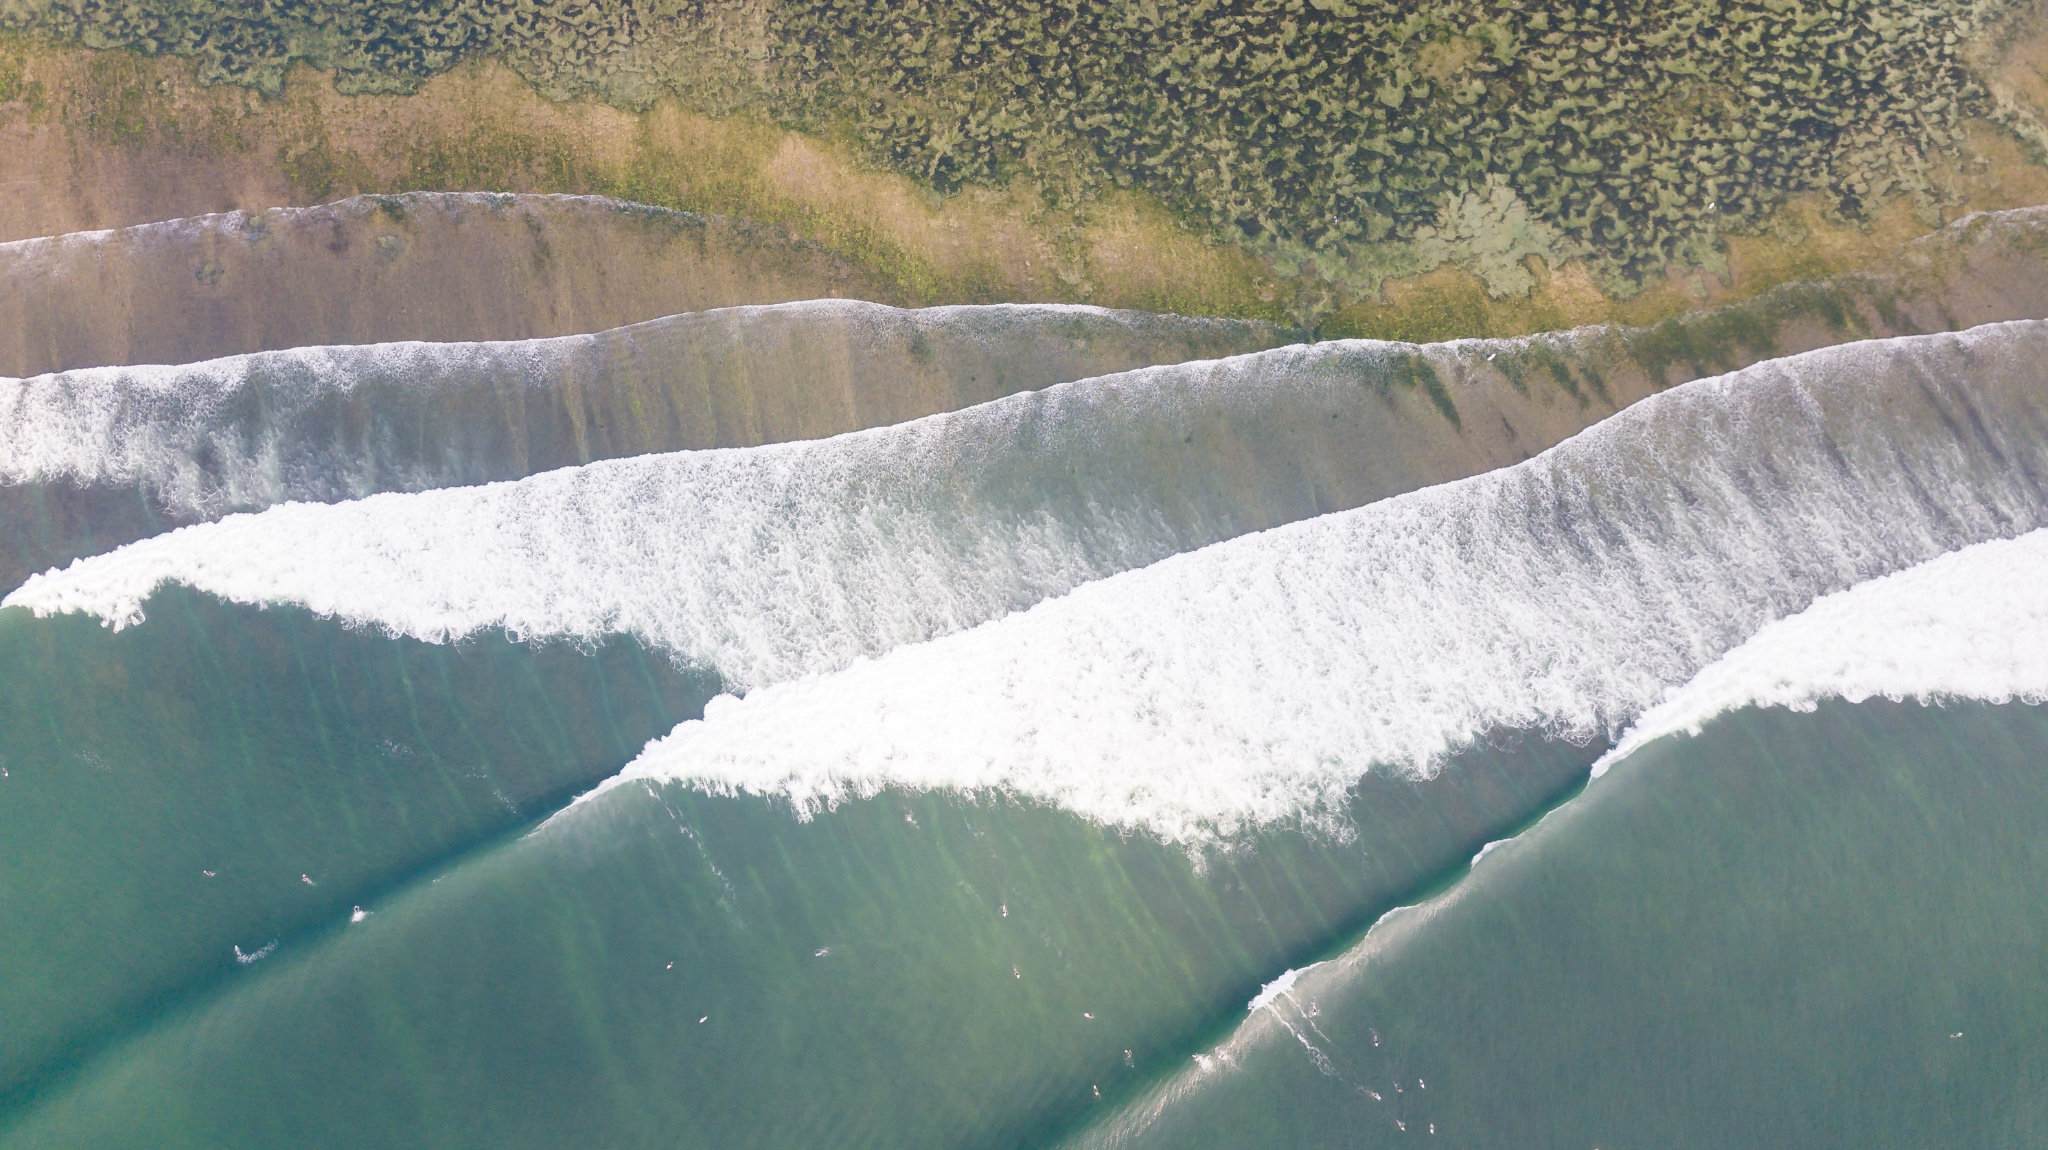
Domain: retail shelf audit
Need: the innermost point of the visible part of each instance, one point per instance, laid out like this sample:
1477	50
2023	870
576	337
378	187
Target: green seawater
219	778
1825	929
1819	929
650	966
267	880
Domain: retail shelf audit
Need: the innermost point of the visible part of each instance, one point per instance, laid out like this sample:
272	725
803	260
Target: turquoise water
268	748
912	969
1819	929
1051	773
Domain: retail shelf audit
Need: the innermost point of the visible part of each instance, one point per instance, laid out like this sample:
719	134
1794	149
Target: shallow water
191	442
663	966
1818	929
306	766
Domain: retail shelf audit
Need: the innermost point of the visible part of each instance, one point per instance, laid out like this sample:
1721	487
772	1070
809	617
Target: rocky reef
1348	141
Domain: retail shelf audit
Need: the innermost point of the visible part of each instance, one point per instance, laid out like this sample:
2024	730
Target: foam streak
774	562
331	423
1253	681
1972	624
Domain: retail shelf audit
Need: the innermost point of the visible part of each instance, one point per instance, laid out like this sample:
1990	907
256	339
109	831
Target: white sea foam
203	438
327	423
762	564
1271	992
1255	680
1245	683
1972	624
774	562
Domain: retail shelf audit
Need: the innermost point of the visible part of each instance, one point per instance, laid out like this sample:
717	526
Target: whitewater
341	422
772	562
1254	681
1972	624
1244	683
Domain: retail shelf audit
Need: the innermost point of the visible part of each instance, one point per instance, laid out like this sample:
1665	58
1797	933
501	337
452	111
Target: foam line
330	423
774	562
1272	991
1255	680
1972	624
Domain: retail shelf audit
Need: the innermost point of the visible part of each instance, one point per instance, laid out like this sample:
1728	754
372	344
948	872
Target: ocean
827	724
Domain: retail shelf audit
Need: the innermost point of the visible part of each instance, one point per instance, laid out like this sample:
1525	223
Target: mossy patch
1719	339
17	86
1416	371
321	171
115	105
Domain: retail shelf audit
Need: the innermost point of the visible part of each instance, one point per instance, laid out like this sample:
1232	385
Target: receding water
322	423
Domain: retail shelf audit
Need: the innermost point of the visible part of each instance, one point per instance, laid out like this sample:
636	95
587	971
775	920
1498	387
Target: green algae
1412	371
659	178
1724	338
320	170
15	85
1538	361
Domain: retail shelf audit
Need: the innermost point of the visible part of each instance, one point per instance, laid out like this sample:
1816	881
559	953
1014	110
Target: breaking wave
1972	624
330	423
1254	681
769	563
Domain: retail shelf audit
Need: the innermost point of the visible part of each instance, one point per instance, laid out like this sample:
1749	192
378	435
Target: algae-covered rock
1343	135
1492	235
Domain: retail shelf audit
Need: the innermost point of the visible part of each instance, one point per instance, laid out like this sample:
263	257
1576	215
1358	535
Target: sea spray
1256	680
1250	682
1972	624
1867	768
1072	945
1874	756
327	423
778	561
1820	905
